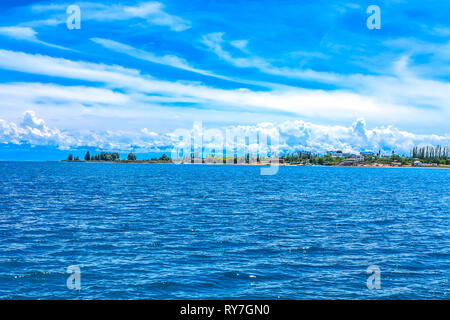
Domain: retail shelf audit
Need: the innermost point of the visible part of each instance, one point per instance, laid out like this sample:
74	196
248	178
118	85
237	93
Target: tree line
102	156
430	152
111	156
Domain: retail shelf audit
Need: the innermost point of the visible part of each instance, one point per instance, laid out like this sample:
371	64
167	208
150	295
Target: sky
136	71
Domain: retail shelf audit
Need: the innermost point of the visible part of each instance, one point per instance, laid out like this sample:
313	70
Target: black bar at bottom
222	309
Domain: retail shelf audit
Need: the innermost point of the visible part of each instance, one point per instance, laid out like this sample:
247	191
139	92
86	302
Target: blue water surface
156	231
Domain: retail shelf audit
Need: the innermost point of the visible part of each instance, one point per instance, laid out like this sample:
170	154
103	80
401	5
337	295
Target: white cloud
169	60
33	131
240	44
32	92
294	136
401	85
300	135
442	31
147	132
215	41
152	12
26	34
19	33
332	105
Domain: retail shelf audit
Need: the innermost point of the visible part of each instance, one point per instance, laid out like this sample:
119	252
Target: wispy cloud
401	83
336	104
152	12
240	44
26	34
215	41
30	92
442	31
169	60
19	33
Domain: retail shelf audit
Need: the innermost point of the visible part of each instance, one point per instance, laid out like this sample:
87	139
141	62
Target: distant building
272	160
367	154
347	162
418	164
336	154
357	157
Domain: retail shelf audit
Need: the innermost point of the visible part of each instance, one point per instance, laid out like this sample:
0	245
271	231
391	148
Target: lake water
155	231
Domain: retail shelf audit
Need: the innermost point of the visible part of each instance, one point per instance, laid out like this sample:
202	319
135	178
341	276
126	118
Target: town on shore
419	157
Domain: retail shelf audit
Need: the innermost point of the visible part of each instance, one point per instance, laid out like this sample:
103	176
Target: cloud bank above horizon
138	70
294	135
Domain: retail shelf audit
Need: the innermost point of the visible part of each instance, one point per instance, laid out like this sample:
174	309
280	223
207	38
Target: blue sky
138	70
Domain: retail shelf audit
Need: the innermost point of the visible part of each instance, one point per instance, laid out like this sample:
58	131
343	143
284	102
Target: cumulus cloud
291	136
33	130
149	133
298	135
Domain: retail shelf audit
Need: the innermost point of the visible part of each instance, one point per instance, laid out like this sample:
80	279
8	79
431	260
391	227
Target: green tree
327	159
164	157
131	157
87	157
70	157
115	156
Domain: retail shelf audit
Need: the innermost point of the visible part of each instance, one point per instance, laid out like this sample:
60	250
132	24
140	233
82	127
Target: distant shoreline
362	165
